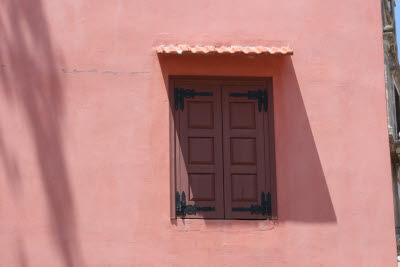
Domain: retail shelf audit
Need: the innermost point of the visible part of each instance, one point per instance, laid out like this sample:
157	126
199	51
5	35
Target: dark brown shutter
224	148
199	149
269	137
245	160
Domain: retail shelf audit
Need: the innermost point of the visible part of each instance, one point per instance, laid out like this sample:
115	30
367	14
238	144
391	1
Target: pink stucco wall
84	133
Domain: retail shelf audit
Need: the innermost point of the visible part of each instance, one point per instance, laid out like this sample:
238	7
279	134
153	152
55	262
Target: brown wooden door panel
200	155
244	153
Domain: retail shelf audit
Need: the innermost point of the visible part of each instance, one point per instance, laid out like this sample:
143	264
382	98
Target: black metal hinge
261	96
264	208
180	94
183	209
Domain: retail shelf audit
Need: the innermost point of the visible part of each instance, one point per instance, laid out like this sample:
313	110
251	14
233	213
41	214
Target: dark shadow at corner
30	80
302	191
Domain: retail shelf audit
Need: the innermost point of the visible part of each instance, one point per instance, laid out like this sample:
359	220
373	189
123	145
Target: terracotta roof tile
186	49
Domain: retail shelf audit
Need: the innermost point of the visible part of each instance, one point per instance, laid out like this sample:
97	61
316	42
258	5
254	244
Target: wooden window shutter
224	153
246	174
199	160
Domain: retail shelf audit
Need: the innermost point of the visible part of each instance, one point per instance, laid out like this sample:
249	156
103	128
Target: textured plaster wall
84	133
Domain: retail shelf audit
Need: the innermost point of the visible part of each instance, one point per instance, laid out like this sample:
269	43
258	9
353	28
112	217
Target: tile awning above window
187	49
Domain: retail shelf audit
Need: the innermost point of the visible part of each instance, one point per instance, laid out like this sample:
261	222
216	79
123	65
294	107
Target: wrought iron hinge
269	204
261	96
183	209
180	94
265	208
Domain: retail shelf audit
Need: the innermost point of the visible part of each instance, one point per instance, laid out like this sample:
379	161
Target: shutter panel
244	145
199	149
269	137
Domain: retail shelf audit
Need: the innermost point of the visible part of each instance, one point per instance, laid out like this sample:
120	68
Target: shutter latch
261	96
264	208
180	94
183	209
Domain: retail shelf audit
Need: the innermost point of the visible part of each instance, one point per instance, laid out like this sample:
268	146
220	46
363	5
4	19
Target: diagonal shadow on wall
303	191
29	79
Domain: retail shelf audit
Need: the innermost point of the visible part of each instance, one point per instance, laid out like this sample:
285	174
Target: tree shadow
30	81
302	191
